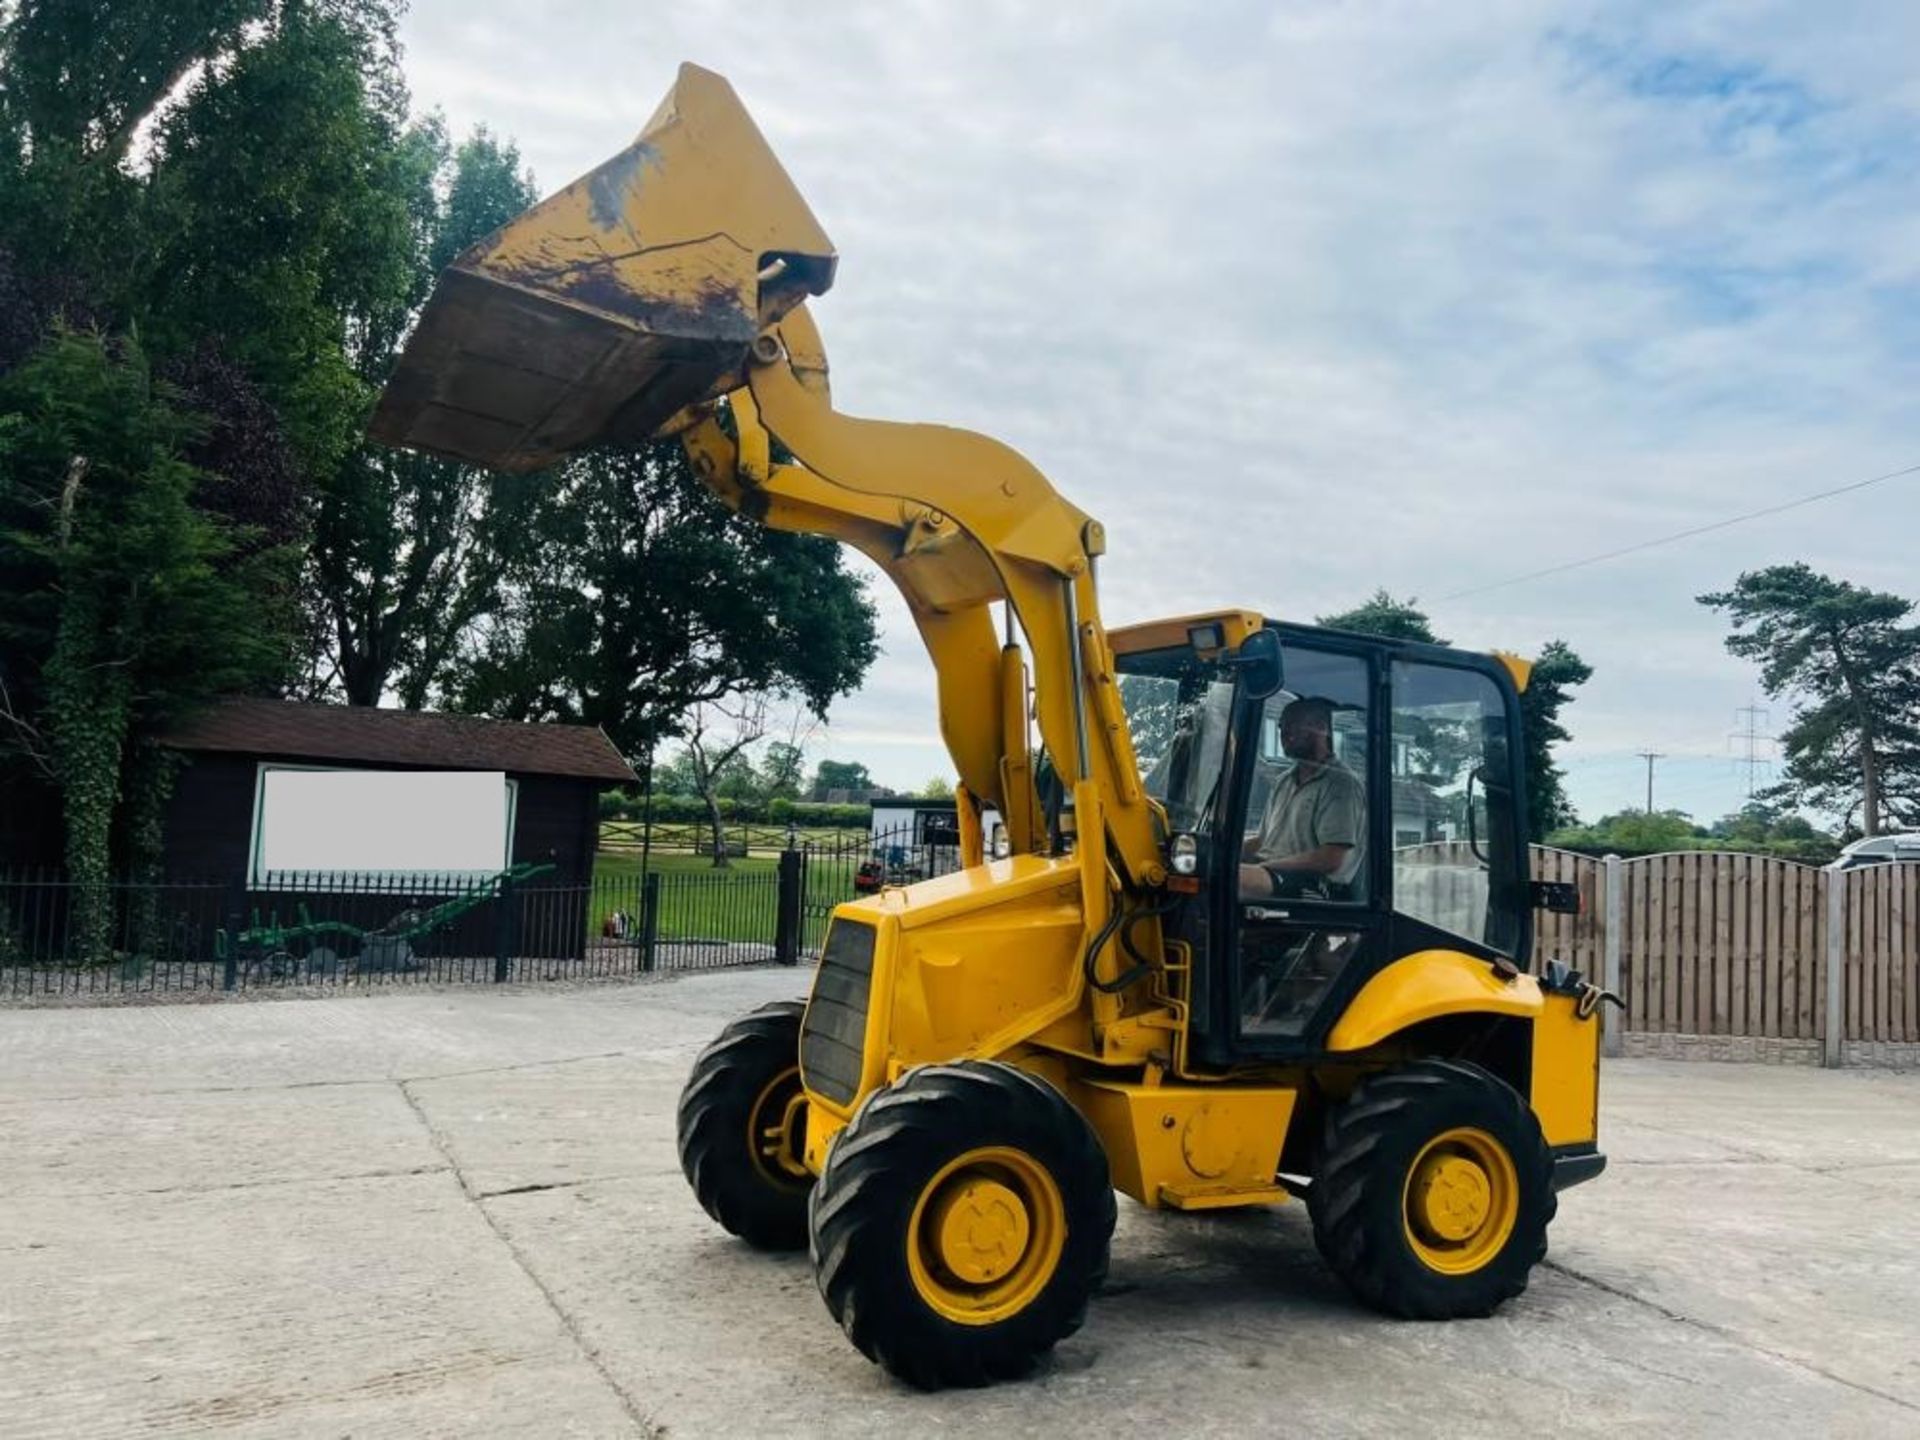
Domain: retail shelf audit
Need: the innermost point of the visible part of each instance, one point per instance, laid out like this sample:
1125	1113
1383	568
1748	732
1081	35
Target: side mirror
1258	660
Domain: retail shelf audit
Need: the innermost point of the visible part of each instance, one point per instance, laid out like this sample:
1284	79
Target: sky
1306	299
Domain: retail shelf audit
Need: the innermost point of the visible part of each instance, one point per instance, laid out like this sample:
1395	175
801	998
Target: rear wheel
743	1129
1434	1191
962	1224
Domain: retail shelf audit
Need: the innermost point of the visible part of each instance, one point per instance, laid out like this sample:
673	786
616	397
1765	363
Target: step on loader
1255	924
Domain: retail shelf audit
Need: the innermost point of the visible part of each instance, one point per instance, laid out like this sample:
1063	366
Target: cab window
1453	822
1306	827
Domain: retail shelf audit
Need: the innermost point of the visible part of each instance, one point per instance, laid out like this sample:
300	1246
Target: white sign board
386	822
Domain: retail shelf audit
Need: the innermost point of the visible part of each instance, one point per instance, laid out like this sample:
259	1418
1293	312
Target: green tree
1762	827
1758	829
77	81
1385	616
642	597
831	775
938	788
410	550
782	770
283	212
1557	671
1633	832
674	775
1851	659
127	605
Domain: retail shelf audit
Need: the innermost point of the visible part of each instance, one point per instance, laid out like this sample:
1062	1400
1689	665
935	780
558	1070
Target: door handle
1263	912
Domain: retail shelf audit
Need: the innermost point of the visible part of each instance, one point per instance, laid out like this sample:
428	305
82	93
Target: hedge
691	809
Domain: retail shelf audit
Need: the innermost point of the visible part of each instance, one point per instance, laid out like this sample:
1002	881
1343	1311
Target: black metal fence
866	864
60	937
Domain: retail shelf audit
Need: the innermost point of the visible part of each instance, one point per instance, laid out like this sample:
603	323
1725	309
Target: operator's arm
1256	879
1334	826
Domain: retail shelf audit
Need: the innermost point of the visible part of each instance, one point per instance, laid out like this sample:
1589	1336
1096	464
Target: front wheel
743	1127
962	1223
1434	1191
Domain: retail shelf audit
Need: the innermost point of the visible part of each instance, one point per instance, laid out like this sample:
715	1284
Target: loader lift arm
669	282
958	522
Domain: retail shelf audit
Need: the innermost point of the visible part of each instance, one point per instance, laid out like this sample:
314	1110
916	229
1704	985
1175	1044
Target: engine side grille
836	1026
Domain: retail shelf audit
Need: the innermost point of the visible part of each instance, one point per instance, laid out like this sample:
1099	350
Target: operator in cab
1313	837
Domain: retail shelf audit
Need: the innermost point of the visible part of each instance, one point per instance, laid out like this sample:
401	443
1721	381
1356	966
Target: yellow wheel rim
777	1130
986	1235
1461	1201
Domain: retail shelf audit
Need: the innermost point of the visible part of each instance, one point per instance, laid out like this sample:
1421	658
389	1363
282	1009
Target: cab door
1301	860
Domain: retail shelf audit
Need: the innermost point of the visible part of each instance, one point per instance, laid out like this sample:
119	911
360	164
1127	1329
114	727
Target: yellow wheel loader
1254	923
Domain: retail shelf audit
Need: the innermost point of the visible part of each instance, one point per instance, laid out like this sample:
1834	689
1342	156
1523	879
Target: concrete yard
460	1213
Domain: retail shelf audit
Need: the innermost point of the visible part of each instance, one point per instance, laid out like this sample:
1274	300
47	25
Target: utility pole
1650	756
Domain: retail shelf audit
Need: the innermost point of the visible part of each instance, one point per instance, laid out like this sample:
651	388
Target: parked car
1881	850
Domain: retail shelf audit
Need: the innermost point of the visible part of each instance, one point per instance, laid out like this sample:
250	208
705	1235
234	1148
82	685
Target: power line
1688	534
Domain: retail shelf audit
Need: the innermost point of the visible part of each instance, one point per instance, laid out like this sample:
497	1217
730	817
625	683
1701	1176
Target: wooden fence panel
1581	939
1738	886
1773	973
1633	966
1797	886
1675	1010
1716	943
1883	953
1727	944
1910	952
1856	923
1888	951
1817	950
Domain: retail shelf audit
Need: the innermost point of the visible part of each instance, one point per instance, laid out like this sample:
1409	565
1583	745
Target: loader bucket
605	309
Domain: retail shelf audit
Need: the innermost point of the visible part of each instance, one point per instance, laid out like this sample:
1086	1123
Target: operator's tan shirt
1304	812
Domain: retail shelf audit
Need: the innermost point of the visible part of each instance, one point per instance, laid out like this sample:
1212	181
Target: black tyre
743	1129
1434	1191
962	1224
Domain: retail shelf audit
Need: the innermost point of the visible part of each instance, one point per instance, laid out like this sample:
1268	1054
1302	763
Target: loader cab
1363	804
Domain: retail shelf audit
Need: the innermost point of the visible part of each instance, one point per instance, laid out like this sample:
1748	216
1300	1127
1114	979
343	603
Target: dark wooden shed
559	770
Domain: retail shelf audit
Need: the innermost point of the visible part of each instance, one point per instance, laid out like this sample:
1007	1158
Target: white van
1881	850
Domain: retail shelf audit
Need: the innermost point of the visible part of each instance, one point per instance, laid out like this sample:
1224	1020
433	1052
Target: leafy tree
1557	671
718	740
283	214
128	606
831	775
642	597
77	81
1633	832
1383	615
938	788
1851	658
674	775
1758	829
410	550
782	770
1760	826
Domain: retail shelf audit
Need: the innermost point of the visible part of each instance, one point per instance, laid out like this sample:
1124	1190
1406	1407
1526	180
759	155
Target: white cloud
1308	300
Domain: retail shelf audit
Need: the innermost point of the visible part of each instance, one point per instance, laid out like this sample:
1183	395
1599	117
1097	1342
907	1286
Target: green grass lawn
698	902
